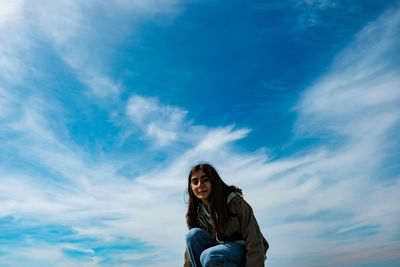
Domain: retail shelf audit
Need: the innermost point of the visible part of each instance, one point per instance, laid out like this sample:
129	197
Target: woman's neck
205	202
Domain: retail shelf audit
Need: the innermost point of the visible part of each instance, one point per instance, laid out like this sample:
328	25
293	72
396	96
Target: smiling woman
223	230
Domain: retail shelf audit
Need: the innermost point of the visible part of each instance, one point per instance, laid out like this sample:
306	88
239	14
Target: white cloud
140	108
162	136
12	32
102	86
215	139
9	11
38	253
59	20
161	122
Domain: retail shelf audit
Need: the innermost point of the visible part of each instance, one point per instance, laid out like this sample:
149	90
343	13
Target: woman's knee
194	233
205	258
210	257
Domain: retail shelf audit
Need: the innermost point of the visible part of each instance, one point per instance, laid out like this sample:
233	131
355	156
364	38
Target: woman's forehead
198	174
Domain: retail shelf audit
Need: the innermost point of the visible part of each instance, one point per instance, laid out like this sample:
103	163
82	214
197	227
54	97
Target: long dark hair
217	206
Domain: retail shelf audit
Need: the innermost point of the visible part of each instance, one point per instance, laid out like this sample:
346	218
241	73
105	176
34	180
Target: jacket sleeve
187	262
254	240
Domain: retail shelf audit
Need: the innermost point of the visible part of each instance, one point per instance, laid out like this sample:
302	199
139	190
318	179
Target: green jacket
242	226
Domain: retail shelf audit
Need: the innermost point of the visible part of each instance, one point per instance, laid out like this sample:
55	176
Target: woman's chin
202	197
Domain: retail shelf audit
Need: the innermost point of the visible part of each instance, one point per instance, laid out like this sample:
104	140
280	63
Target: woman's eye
195	182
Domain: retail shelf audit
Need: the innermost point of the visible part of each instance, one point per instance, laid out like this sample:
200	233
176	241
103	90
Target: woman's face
201	185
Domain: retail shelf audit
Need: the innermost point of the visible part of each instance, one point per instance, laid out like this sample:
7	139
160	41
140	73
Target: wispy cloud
11	55
158	121
355	106
67	27
306	13
358	98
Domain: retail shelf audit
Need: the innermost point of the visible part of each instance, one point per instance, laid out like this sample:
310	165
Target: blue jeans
205	251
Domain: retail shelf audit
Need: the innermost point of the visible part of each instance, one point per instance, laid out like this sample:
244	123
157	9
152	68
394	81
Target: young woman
222	228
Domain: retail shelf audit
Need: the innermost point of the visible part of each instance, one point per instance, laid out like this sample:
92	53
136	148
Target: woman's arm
254	240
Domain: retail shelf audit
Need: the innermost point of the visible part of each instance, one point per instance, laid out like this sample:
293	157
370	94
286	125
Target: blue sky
105	106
